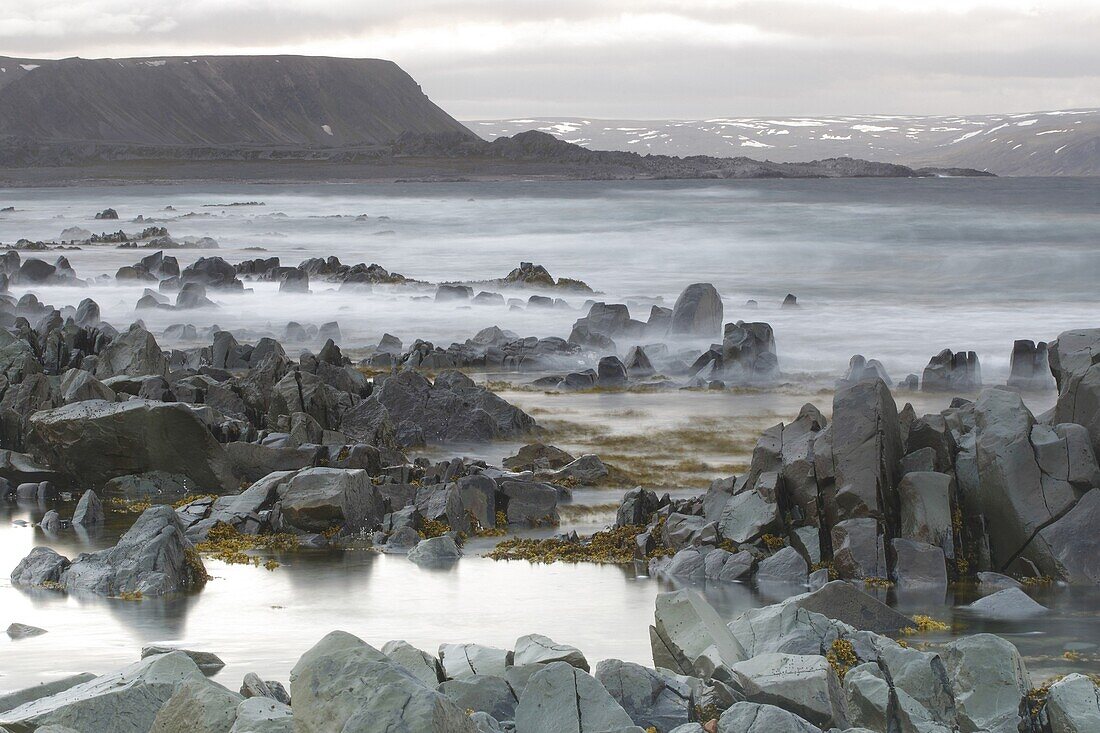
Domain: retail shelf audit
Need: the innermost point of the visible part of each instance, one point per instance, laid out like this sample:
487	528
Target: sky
636	59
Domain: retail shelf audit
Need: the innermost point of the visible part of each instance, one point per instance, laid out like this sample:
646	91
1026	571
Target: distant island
299	118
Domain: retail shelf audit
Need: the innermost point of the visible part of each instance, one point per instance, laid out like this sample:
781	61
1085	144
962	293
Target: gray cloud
644	58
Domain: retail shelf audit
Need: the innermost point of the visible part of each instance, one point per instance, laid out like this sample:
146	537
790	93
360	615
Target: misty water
894	269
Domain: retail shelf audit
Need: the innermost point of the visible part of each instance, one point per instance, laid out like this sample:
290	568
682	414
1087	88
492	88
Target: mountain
291	101
1064	142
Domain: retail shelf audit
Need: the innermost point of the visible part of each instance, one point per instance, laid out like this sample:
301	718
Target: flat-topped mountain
293	101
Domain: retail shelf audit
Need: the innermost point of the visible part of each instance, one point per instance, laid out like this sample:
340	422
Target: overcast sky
630	58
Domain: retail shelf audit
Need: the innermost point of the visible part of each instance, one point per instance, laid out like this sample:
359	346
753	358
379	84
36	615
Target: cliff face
293	101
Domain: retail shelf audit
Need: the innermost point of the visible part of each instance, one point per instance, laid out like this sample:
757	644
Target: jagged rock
860	368
636	507
1072	543
651	697
538	649
989	680
133	353
198	706
208	662
688	636
697	312
1029	366
952	372
1010	604
95	441
1077	372
587	470
1073	705
918	565
748	717
747	353
925	499
785	566
611	372
637	363
721	565
844	602
462	661
563	699
805	685
42	565
748	516
422	665
253	686
89	510
858	549
152	558
78	385
537	456
126	701
23	631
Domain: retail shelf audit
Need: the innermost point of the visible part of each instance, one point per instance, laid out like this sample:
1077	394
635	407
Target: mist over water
895	269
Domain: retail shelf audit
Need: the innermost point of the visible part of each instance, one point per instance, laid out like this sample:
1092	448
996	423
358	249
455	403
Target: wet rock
152	558
1077	372
918	565
1010	604
785	566
1072	543
805	685
126	701
925	499
858	549
537	456
435	550
208	662
23	631
42	565
78	385
952	372
446	293
697	312
198	706
561	698
636	507
611	372
318	499
844	602
1029	366
637	363
538	649
860	368
95	441
720	565
588	470
995	581
530	503
688	636
89	510
748	353
134	353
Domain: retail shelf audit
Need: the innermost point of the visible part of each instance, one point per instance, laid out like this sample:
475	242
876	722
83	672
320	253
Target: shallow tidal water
893	269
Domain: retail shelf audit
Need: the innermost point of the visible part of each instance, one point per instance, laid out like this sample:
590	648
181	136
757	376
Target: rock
530	503
637	506
318	499
858	550
95	441
422	665
435	550
446	293
23	631
537	456
697	312
198	706
482	693
727	566
126	701
1010	604
344	684
650	697
925	499
989	680
687	564
42	565
1072	543
588	470
689	637
208	662
12	700
1029	366
263	715
637	363
1073	705
748	717
860	368
948	372
995	581
918	565
747	516
134	353
152	558
78	385
818	579
844	602
1073	362
461	661
785	566
253	686
538	649
89	510
805	685
748	353
51	522
563	699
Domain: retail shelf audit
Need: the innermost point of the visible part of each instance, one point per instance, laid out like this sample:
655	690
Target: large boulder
198	706
154	557
263	715
538	649
319	499
343	684
844	602
95	441
651	697
440	550
1076	366
750	717
134	353
806	685
1010	604
990	682
1070	547
126	701
461	661
698	312
688	636
952	372
1073	705
42	565
563	699
482	693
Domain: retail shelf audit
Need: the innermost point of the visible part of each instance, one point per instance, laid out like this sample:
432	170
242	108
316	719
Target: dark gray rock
697	312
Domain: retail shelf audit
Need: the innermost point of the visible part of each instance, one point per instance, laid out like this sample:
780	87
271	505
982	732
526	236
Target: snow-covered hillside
1063	142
